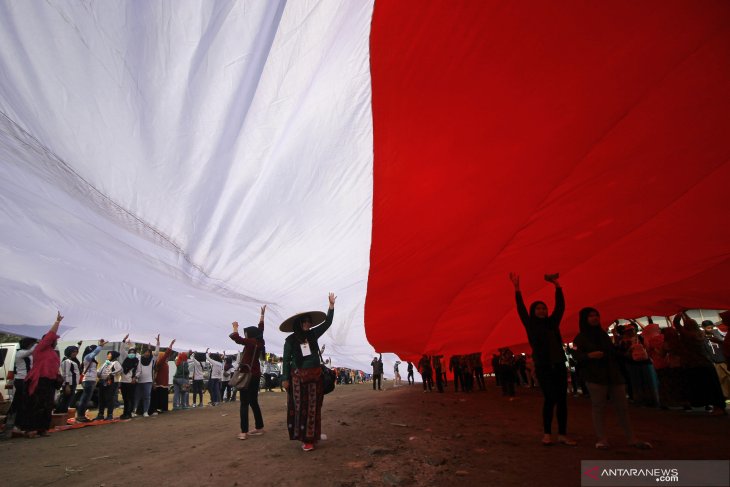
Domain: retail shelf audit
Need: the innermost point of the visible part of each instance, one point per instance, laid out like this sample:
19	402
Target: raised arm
321	329
521	308
92	355
559	310
261	320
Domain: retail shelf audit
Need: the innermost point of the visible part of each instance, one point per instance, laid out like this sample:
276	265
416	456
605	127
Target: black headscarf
255	333
27	342
114	354
229	364
199	356
532	309
67	355
596	334
130	363
146	360
87	351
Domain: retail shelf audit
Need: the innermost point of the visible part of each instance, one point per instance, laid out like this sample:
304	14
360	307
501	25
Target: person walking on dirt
377	364
424	367
411	379
302	374
253	348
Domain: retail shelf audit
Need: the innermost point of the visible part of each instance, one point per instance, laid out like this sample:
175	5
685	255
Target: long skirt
38	407
304	405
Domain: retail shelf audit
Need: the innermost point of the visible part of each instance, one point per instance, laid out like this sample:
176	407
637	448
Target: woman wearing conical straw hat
302	374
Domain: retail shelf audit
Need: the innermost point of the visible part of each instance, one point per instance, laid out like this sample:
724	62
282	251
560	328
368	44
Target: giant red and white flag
171	166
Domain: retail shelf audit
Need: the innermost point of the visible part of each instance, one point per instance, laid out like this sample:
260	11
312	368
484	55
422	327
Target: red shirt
249	344
46	362
162	378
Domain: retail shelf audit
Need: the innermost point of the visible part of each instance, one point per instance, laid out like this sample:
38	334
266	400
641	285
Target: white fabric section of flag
170	166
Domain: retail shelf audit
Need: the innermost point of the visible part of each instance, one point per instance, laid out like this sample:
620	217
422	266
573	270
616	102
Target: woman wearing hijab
89	379
227	373
161	385
302	374
216	375
599	361
71	373
143	391
181	382
128	379
196	375
543	333
35	416
253	347
23	364
108	385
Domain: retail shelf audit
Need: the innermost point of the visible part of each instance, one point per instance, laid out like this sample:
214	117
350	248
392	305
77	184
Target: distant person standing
396	371
377	364
455	368
411	379
543	333
479	371
438	372
424	367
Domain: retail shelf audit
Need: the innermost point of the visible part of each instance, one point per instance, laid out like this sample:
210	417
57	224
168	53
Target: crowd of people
684	365
44	383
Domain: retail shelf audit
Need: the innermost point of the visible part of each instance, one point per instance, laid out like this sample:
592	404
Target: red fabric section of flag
586	138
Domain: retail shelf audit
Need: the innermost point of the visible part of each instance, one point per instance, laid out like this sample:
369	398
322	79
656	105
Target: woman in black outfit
543	333
599	360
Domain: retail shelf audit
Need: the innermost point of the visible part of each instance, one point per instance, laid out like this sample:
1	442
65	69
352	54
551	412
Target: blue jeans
180	398
143	393
83	404
214	386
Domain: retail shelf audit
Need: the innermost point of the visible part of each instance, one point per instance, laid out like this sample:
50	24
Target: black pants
427	381
508	379
18	396
250	397
479	373
128	398
467	380
198	390
457	374
439	381
411	379
160	399
377	378
107	394
704	387
553	381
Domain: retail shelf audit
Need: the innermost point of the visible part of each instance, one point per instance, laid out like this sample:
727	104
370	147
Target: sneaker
307	446
154	414
256	432
110	418
193	406
134	415
145	415
83	420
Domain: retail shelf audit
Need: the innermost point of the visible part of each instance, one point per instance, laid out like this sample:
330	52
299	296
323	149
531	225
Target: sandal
642	445
564	440
547	440
242	436
256	432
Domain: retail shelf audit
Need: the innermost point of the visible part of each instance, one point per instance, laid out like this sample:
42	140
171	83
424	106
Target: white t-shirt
216	368
145	372
69	368
21	370
110	368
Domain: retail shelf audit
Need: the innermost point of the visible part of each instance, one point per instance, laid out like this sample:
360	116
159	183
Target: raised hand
515	278
235	326
206	351
171	343
126	337
102	342
263	310
58	317
332	299
158	339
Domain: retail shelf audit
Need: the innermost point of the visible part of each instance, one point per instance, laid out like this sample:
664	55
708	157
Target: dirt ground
399	436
